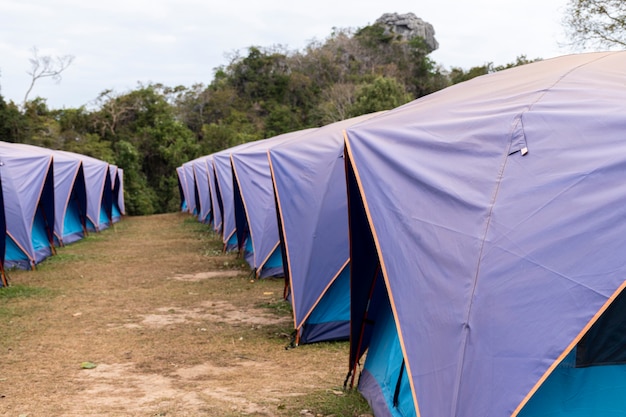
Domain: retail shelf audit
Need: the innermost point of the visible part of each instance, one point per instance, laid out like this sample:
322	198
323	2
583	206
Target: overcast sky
118	43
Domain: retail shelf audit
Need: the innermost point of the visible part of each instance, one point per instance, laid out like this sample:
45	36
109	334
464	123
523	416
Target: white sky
118	43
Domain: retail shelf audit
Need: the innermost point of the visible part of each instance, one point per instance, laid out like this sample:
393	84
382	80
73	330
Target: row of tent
51	198
469	244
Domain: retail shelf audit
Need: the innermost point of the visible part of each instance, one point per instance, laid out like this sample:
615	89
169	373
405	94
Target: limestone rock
408	26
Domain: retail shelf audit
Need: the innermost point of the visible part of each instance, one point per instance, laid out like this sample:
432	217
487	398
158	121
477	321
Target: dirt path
173	327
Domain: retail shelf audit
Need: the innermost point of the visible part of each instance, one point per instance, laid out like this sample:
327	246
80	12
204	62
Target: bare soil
173	326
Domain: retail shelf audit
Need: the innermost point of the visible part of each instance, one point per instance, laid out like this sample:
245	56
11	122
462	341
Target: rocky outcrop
409	26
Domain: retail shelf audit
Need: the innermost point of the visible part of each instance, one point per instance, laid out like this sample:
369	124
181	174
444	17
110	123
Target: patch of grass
61	257
330	402
21	291
280	307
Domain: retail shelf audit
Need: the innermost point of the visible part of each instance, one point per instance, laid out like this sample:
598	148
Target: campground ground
150	318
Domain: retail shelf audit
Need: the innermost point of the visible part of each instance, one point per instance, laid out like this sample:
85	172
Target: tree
13	124
596	23
382	94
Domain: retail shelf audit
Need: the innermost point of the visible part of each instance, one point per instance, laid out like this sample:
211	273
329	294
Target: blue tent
255	207
99	192
224	191
308	175
486	227
28	193
216	199
70	195
116	191
182	188
201	175
191	194
3	231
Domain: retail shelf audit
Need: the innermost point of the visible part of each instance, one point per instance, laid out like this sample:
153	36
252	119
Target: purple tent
117	193
201	175
99	191
255	207
70	195
191	191
308	175
216	199
224	181
28	193
486	224
182	188
3	232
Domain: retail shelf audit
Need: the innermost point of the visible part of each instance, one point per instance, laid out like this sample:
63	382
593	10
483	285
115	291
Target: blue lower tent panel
40	238
274	265
248	252
115	213
72	227
580	392
104	219
14	257
330	320
231	243
383	373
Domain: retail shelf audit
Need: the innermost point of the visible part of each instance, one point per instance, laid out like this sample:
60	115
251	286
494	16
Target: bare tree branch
596	23
46	66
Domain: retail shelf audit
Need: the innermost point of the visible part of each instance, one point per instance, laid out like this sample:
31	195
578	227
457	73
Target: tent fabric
70	195
191	192
3	232
99	191
255	194
225	191
116	210
308	175
496	210
201	175
28	193
119	191
182	188
216	199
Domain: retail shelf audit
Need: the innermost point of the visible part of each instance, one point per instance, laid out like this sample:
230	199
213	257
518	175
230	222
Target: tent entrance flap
330	319
592	376
384	383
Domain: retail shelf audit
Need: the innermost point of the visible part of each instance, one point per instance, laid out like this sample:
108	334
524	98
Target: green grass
331	402
21	291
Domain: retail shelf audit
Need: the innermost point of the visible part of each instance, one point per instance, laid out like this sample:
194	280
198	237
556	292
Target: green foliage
384	93
373	35
12	124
